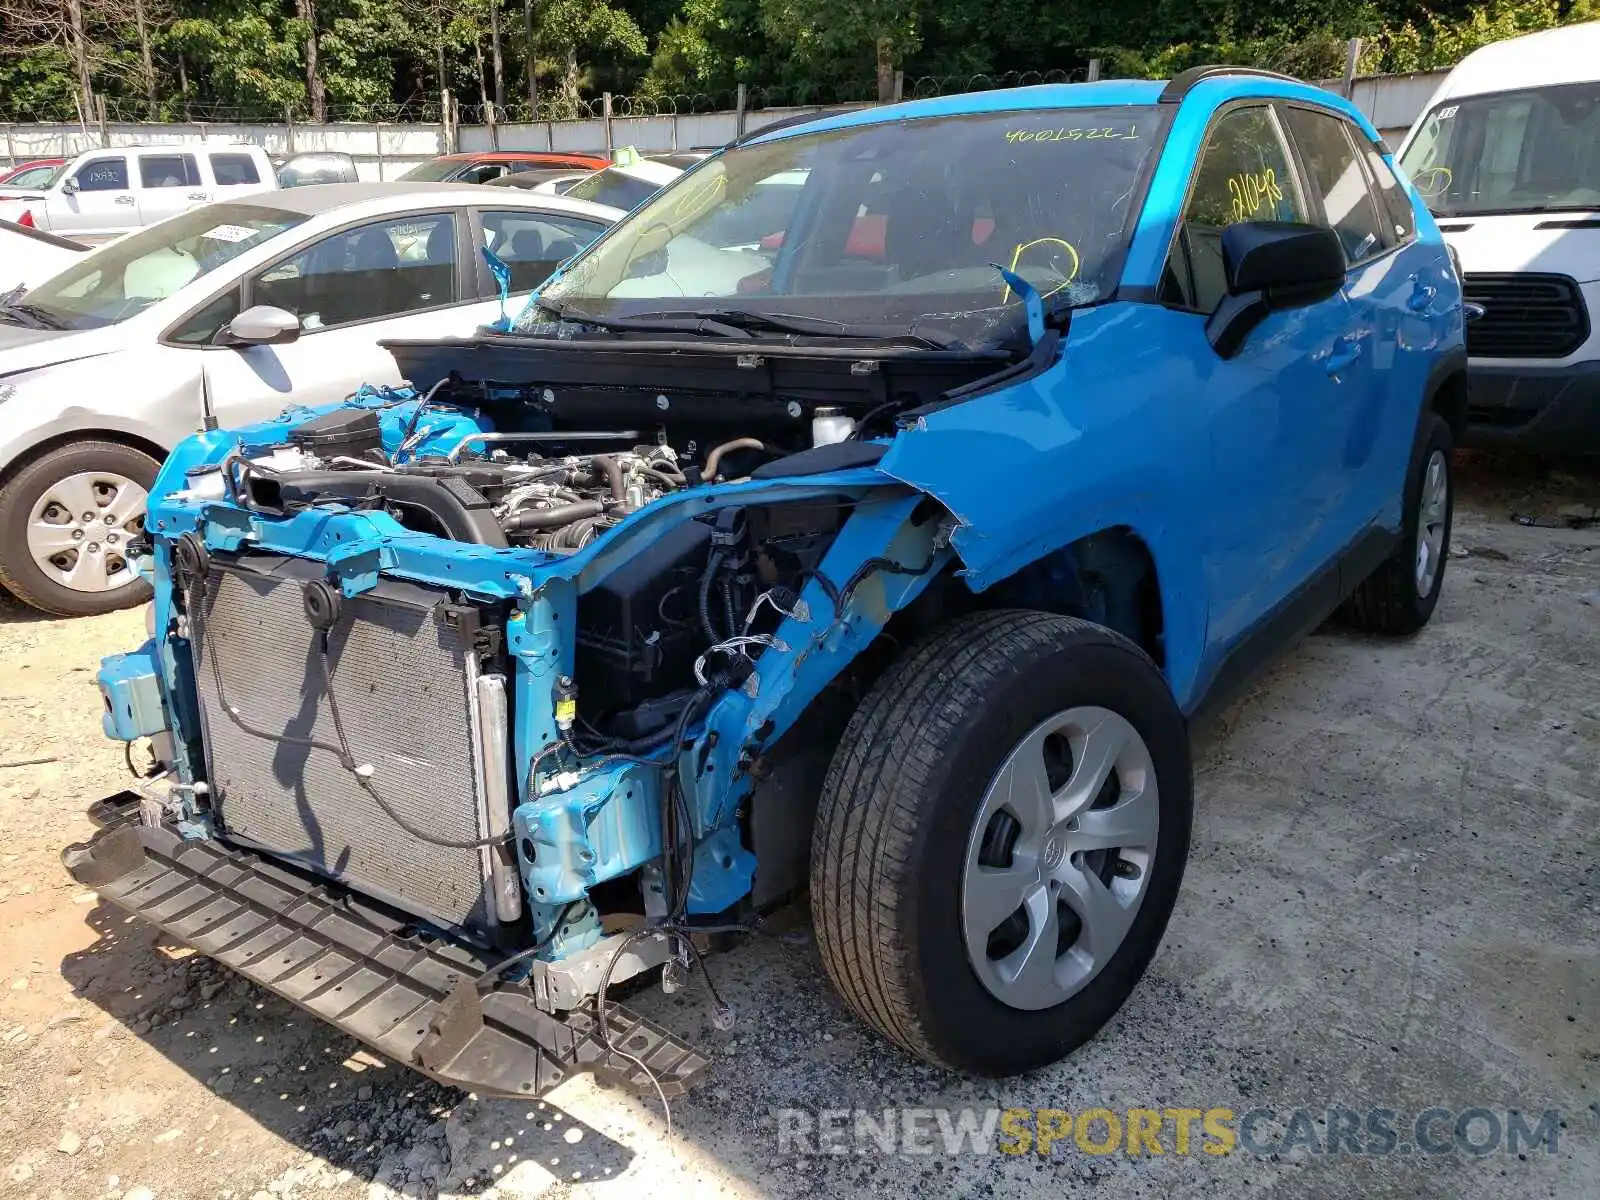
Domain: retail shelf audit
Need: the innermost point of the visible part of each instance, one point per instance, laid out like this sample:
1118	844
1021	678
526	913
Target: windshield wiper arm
799	323
651	323
27	315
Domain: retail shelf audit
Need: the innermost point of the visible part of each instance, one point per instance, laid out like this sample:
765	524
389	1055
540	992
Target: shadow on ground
306	1082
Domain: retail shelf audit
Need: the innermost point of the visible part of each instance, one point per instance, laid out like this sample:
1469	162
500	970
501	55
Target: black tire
20	575
1389	601
899	804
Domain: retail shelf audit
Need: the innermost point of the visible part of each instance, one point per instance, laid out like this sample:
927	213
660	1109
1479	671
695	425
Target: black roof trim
1184	82
786	123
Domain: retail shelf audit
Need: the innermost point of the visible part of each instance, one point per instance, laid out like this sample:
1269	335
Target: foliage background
371	59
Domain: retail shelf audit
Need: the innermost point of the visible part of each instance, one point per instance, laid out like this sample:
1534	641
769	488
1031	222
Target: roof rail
1184	82
787	122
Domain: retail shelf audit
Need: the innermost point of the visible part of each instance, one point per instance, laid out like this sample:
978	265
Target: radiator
403	671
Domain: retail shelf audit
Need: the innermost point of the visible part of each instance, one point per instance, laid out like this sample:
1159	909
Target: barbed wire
558	106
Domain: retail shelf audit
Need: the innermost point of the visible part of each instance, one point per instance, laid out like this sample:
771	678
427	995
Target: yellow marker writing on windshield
1433	182
1073	134
693	201
1024	247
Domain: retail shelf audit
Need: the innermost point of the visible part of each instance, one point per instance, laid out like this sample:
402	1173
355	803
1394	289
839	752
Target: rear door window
533	244
168	171
1329	157
381	269
232	170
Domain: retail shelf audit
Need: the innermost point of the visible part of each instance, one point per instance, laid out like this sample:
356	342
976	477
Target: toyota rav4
869	513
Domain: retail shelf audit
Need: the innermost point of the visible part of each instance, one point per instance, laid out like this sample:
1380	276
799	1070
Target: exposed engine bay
536	667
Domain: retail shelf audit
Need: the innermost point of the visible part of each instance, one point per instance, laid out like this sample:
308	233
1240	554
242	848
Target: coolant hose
613	472
714	459
551	518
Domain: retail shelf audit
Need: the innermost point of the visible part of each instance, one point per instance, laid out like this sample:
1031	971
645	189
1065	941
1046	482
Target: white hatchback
103	368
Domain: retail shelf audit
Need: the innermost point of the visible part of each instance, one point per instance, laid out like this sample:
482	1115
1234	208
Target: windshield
435	170
125	277
35	177
1524	151
894	224
616	188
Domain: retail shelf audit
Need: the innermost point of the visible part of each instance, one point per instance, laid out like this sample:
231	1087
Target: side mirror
261	325
69	185
1271	266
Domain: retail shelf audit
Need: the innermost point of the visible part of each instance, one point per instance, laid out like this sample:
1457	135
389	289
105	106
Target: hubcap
1059	857
79	529
1433	515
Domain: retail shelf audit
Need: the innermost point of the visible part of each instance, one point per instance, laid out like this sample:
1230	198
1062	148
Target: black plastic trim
1181	84
819	460
1299	613
461	509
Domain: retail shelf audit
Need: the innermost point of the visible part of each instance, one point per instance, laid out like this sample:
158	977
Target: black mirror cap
1289	262
1272	265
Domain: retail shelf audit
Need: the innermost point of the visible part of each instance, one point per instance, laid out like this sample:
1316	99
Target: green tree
565	28
827	35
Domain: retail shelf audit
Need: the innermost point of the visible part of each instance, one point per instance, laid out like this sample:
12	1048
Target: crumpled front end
429	695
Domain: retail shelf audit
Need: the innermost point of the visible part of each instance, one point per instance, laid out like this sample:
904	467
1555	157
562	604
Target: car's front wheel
1000	840
66	521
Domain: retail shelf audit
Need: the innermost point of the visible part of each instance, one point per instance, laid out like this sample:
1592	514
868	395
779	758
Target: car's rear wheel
66	521
1400	596
1000	840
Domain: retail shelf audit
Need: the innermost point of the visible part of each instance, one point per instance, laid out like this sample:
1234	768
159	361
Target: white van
1507	155
103	193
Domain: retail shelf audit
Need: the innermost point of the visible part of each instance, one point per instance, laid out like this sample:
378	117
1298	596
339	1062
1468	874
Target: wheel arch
55	441
1448	397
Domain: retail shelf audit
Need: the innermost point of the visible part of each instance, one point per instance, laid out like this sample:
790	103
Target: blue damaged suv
870	512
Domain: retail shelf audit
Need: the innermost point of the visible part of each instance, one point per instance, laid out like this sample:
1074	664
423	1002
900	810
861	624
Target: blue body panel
1243	477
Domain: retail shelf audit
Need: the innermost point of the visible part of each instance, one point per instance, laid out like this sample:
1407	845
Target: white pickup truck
105	193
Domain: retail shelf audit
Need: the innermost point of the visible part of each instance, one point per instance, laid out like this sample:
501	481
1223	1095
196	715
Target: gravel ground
1392	902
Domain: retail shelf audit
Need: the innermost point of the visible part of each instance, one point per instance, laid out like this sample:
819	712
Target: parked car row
251	302
265	293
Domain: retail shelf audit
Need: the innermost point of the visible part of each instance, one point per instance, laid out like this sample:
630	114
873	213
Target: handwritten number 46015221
1065	134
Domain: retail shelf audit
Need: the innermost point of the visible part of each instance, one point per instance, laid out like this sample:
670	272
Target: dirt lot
1393	902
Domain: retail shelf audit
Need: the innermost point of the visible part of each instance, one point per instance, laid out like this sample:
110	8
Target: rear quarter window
232	170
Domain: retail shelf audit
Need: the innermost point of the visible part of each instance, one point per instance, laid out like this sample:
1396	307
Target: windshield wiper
29	315
649	323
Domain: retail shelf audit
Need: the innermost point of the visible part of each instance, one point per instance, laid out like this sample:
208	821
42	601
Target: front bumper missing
362	970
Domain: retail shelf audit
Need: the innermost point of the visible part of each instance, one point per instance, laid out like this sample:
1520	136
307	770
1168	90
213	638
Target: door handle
1344	355
122	200
198	196
1422	297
